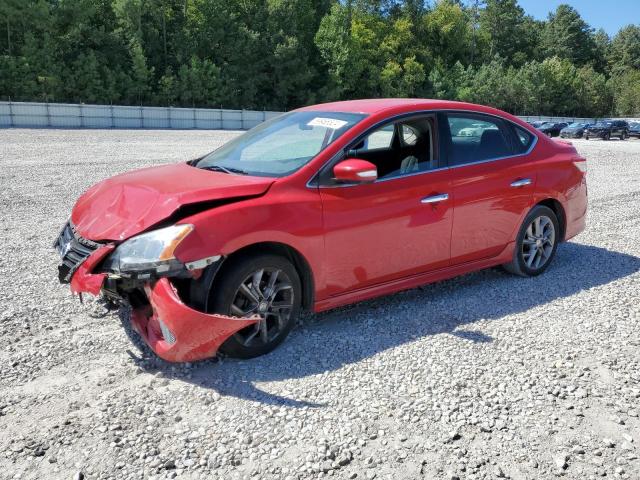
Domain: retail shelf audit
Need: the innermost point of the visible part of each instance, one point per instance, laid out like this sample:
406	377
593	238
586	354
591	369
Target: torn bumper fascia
195	335
83	280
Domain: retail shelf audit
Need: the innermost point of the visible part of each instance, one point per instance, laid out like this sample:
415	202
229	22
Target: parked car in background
321	207
574	130
537	123
475	130
634	129
607	129
552	129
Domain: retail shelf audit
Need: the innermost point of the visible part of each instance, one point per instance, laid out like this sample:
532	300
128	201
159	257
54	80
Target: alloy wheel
538	242
267	292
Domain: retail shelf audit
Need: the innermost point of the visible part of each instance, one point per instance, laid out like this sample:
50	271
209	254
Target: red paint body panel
487	210
386	224
128	204
83	280
413	281
358	241
198	335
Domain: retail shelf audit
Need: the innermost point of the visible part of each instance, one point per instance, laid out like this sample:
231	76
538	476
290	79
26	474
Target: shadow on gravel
328	341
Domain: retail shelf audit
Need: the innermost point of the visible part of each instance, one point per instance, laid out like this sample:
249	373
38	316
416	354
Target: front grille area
73	250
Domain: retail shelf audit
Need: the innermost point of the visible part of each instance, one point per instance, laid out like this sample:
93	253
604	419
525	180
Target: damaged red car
320	207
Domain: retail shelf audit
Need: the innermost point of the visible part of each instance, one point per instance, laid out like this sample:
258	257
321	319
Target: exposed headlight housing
149	253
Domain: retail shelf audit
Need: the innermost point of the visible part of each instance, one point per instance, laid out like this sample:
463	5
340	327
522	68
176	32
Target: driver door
392	228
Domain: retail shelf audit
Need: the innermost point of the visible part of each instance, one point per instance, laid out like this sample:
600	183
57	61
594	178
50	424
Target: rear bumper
576	210
173	330
597	134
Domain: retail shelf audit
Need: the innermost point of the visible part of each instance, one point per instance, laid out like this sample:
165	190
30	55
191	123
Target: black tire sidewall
224	289
536	212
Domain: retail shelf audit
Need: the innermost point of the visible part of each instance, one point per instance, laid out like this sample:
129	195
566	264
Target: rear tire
623	136
536	243
264	284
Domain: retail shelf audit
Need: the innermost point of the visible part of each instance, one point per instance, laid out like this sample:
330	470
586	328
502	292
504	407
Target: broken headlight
149	253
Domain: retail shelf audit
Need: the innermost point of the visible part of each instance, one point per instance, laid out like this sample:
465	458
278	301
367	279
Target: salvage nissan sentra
320	207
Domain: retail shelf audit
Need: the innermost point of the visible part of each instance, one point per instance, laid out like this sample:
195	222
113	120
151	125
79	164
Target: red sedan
320	207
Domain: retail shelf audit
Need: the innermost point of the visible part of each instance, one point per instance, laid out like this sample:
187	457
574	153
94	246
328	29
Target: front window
400	148
576	125
280	146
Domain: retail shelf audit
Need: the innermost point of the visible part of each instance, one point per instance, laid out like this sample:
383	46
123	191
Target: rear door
492	178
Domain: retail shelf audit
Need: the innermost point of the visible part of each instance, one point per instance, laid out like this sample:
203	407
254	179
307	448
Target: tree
625	49
348	40
601	54
627	93
281	54
507	31
449	33
594	95
567	35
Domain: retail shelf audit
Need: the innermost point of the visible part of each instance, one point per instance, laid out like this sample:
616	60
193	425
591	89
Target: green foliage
627	86
567	35
507	32
625	48
281	54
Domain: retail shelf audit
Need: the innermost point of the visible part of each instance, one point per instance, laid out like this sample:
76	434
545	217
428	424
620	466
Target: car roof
379	105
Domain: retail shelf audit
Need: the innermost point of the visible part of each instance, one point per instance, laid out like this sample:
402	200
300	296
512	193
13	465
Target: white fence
69	115
539	118
62	115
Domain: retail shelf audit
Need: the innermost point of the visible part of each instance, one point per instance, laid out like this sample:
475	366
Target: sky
608	14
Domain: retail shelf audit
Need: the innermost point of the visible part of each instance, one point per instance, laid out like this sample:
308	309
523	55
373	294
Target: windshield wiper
229	170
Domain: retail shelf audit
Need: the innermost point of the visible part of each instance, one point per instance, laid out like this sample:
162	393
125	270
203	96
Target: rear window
476	138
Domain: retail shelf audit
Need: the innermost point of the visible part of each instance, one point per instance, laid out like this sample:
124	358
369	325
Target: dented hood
130	203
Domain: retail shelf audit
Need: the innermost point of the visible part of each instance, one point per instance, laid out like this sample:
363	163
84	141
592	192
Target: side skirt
413	281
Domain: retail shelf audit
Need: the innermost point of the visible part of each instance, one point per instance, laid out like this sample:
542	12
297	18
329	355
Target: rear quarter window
524	139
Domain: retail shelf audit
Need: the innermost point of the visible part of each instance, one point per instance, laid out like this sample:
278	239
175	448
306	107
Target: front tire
263	284
536	243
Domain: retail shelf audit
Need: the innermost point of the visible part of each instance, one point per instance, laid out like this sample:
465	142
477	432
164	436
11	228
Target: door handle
441	197
523	182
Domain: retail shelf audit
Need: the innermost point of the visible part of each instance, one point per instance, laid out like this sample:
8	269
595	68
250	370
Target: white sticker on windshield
327	123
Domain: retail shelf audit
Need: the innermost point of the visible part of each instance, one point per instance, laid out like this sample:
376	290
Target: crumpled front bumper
192	335
173	330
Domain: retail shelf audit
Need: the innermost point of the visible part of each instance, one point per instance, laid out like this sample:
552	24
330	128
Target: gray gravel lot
484	376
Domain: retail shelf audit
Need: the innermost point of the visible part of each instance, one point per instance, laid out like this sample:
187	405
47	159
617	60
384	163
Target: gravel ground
484	376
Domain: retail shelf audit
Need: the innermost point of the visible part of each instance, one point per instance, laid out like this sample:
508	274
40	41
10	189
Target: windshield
280	146
603	124
576	125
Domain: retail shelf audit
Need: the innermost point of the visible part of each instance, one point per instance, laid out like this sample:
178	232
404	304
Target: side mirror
355	170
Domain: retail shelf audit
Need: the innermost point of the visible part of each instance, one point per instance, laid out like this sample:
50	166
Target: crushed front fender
178	333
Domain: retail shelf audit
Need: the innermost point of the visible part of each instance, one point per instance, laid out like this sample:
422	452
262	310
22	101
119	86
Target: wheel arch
287	251
558	209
